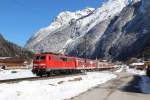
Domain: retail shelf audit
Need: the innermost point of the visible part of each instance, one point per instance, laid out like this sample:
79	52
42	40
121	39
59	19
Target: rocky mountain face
128	34
119	29
8	49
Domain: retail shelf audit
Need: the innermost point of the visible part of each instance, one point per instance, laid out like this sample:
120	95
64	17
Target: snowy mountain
62	20
112	31
82	18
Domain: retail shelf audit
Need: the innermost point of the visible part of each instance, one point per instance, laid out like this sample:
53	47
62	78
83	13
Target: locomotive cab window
40	58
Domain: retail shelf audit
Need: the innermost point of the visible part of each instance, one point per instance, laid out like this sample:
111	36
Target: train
51	63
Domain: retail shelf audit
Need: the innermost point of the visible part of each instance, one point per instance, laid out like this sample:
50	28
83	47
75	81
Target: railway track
9	81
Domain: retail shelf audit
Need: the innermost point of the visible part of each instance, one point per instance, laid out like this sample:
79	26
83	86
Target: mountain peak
116	30
108	10
61	20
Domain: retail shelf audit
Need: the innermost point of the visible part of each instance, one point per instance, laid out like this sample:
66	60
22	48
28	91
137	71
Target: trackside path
125	87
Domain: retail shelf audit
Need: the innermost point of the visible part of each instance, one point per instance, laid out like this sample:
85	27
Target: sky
20	19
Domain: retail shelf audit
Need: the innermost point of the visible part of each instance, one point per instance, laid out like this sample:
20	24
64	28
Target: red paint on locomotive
48	62
53	61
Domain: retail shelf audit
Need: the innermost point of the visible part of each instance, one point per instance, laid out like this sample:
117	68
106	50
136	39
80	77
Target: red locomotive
49	63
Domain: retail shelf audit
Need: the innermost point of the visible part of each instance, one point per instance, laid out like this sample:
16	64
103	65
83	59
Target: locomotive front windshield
40	58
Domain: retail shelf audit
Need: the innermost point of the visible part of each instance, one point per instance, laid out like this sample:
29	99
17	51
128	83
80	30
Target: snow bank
122	68
17	73
126	68
53	89
134	71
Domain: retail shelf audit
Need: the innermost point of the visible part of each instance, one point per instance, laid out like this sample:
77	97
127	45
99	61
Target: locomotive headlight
35	64
39	64
42	64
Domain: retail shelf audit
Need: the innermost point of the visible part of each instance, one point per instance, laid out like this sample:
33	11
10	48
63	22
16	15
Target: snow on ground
120	68
53	89
16	73
125	68
134	71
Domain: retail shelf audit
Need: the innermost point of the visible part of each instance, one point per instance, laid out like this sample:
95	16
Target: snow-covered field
59	88
53	89
16	73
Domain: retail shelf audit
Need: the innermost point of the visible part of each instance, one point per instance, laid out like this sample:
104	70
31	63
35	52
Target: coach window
64	59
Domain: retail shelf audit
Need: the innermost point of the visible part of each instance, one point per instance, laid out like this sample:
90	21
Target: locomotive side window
63	59
66	59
